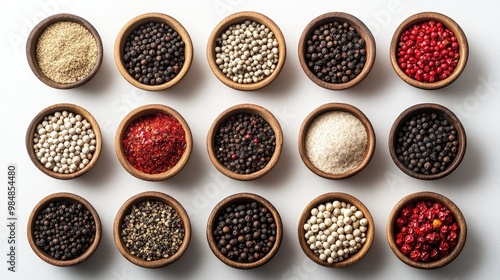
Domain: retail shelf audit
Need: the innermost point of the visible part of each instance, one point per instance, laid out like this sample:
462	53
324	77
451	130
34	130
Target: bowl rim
35	35
446	113
70	197
250	109
434	197
344	107
151	196
70	108
330	197
240	17
236	198
447	22
133	24
147	110
364	32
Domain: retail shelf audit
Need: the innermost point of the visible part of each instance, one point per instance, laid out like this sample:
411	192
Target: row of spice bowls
425	230
247	50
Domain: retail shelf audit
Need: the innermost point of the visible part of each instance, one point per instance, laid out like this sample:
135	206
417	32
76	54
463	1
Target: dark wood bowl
428	108
72	198
433	197
362	29
330	197
151	196
238	18
370	148
33	40
133	24
243	198
447	22
250	109
146	110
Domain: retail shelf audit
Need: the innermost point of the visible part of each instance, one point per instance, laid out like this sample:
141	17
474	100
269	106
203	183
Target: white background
200	97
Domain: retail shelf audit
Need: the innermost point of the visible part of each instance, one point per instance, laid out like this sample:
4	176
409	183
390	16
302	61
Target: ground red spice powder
155	143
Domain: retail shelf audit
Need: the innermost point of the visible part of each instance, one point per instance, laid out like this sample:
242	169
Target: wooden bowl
329	107
151	196
249	109
428	108
32	41
133	24
51	110
362	30
331	197
147	110
67	197
238	18
243	198
447	22
433	197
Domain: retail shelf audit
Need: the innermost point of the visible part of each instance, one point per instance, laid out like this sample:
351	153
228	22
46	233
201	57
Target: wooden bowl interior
151	196
362	30
250	109
330	197
48	111
447	22
238	18
370	148
136	22
243	198
428	108
434	197
68	197
33	40
148	110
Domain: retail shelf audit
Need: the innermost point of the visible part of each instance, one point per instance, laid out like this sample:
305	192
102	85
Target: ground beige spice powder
66	52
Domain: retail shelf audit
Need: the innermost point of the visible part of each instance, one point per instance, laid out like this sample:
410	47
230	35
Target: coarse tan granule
66	52
336	142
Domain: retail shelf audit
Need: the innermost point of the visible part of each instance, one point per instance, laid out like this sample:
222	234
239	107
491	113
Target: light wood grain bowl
360	27
238	18
331	197
59	108
249	109
329	107
148	110
33	40
71	198
151	196
433	197
243	198
428	108
448	23
132	25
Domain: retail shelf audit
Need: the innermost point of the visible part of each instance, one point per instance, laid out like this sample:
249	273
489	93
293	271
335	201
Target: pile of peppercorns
245	232
335	52
244	143
154	53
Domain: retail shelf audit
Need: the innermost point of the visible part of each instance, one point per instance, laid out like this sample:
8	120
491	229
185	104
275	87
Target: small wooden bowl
370	148
243	198
250	109
72	198
434	197
428	108
133	24
48	111
151	196
238	18
33	40
447	22
362	29
145	111
330	197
